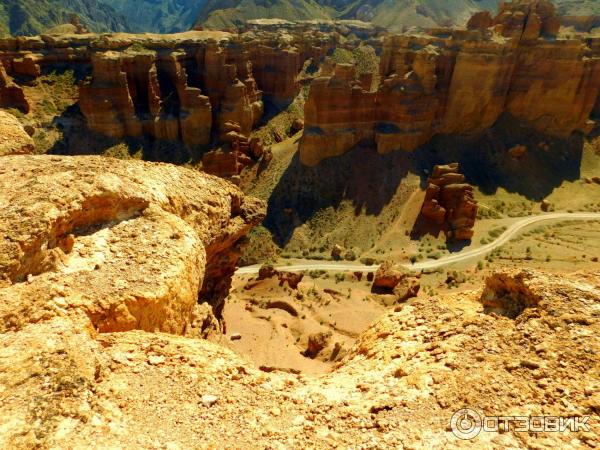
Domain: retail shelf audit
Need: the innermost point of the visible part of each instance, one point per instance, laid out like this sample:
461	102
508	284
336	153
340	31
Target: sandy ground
275	322
272	337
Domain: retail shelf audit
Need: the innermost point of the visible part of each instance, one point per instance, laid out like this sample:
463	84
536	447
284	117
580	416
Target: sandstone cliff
127	245
11	94
459	82
181	87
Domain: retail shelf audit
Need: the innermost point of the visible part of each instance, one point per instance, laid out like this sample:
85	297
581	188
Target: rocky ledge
525	345
122	245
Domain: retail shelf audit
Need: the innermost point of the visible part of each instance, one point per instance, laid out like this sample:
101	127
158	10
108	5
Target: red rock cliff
459	82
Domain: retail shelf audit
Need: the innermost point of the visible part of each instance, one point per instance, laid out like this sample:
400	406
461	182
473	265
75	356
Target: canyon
183	87
288	233
459	82
186	87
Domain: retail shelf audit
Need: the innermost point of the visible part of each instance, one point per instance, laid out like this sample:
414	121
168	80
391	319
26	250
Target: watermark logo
467	423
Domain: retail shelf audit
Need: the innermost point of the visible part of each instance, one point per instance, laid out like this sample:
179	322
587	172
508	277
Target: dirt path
464	255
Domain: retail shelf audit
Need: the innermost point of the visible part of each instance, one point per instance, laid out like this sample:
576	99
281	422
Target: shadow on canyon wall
371	180
78	139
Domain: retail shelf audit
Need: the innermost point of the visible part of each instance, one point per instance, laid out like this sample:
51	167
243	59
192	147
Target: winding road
464	255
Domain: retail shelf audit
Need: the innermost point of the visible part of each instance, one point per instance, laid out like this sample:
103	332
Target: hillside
158	16
29	17
578	7
394	15
223	14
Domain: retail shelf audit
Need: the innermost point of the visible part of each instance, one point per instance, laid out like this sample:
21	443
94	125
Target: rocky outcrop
449	202
137	94
395	279
276	71
66	385
14	140
292	279
236	152
127	245
183	87
459	82
160	84
11	94
527	19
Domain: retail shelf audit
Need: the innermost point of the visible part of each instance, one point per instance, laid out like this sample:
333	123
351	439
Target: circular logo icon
465	423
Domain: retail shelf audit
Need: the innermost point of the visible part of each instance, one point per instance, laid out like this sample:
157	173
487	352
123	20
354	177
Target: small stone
298	420
209	400
530	364
235	337
155	360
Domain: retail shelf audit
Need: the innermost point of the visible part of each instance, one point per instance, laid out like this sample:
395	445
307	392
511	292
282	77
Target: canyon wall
459	82
182	87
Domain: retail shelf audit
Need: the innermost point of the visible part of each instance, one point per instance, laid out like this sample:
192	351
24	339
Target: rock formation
394	279
137	94
14	140
449	202
459	82
237	152
292	279
127	245
11	94
66	385
182	87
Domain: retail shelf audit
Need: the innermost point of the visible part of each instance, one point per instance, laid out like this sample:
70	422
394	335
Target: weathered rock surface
64	385
182	87
395	279
11	94
236	152
14	140
449	202
127	245
459	82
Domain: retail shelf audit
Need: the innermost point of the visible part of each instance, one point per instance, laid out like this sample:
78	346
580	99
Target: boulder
292	279
316	343
396	280
337	252
266	271
297	125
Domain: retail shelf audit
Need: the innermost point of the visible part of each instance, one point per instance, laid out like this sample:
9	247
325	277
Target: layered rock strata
459	82
449	202
236	152
183	87
126	245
